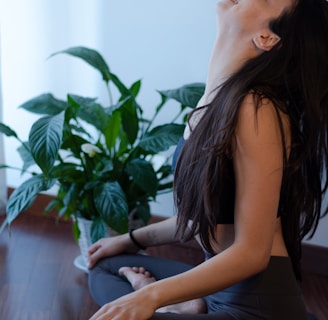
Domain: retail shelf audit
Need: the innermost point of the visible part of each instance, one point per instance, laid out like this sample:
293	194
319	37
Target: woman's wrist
135	241
127	244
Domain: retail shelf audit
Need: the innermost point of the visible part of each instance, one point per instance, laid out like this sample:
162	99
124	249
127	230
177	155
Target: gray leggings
272	294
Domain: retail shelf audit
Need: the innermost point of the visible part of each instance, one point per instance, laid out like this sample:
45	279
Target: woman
248	181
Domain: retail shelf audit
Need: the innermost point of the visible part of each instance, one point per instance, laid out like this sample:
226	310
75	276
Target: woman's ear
266	40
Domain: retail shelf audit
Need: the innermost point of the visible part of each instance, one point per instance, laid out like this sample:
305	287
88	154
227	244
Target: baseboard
314	260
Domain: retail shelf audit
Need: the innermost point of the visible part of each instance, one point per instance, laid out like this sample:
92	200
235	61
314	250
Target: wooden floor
38	280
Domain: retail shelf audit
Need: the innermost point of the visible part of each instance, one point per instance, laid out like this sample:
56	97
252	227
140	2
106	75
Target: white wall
3	182
321	235
165	43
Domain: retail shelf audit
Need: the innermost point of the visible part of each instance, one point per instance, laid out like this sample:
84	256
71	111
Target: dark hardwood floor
38	280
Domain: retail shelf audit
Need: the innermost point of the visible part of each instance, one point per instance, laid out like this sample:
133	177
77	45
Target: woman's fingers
94	248
94	254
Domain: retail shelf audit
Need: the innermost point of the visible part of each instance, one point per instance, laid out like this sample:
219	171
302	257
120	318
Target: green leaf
78	100
45	139
161	138
70	196
94	115
67	171
135	88
98	229
111	204
166	186
90	111
164	171
25	194
76	230
7	130
73	142
130	120
112	129
143	175
44	104
68	200
103	166
26	156
143	213
124	144
119	85
51	205
111	109
90	56
188	95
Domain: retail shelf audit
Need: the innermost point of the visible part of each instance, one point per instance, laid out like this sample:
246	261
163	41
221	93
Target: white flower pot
85	242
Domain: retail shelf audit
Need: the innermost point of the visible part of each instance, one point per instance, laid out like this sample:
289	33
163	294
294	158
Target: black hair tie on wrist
135	242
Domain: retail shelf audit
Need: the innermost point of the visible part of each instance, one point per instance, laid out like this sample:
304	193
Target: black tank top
227	214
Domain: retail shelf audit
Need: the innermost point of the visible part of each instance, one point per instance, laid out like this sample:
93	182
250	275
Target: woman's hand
132	306
154	234
112	246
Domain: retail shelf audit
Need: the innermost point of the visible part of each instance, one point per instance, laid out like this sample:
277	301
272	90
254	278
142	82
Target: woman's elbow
262	262
262	257
256	259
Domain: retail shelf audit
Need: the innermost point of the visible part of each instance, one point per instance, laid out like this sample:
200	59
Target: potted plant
100	157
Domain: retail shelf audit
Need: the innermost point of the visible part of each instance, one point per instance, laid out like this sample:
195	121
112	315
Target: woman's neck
227	57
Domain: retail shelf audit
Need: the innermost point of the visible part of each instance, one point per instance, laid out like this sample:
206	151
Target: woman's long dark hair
294	76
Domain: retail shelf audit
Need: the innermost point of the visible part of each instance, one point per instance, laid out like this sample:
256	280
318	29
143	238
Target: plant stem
110	96
178	115
158	108
18	169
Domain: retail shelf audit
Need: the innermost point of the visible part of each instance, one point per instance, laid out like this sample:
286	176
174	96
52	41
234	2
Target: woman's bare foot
195	306
139	277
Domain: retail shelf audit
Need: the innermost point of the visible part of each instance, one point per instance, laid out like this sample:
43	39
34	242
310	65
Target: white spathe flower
90	149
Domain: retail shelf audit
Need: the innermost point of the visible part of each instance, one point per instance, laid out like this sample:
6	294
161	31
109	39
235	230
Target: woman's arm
151	235
157	233
258	164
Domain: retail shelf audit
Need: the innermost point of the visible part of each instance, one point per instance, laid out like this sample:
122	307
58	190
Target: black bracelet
135	242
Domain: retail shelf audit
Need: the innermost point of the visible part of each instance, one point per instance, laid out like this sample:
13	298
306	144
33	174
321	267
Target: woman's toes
148	274
123	270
